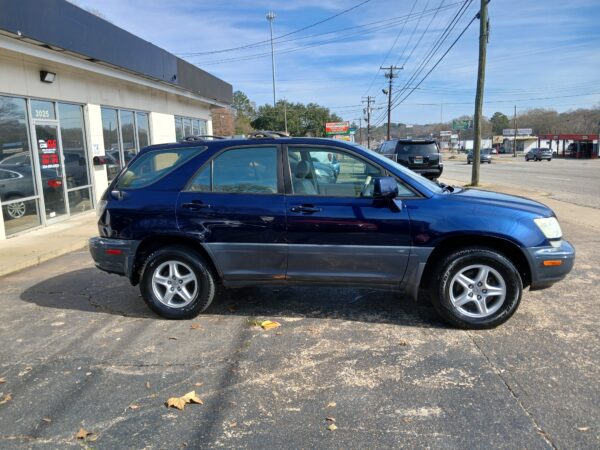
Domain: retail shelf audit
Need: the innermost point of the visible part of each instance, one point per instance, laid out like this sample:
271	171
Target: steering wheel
364	192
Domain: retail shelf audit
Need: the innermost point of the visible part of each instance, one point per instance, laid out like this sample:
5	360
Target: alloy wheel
477	291
174	284
16	210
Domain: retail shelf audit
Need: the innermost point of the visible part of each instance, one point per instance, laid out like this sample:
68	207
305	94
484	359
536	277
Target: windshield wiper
445	187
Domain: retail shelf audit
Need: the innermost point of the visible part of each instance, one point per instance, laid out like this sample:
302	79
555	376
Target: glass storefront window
178	128
128	135
187	127
17	175
73	145
110	130
42	109
80	200
143	129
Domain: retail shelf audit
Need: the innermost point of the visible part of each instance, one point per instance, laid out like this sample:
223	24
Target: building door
52	174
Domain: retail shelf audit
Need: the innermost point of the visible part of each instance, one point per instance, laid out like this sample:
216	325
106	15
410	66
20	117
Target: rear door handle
305	209
195	205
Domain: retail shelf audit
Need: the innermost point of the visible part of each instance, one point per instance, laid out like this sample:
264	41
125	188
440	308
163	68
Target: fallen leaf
134	406
2	380
176	402
195	326
331	404
402	343
47	419
233	424
269	324
83	433
583	428
173	338
279	333
198	384
332	427
191	397
147	385
5	399
330	419
25	371
92	437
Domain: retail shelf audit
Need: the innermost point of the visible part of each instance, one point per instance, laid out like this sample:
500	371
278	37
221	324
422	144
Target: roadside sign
337	128
520	132
445	133
464	124
342	137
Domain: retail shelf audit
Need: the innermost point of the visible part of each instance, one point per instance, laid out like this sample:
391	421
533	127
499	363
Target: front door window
51	169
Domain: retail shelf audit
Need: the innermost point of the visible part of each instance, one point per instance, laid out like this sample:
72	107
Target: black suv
419	155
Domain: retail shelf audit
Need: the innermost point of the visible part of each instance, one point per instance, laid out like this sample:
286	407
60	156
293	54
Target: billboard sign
464	124
337	128
520	132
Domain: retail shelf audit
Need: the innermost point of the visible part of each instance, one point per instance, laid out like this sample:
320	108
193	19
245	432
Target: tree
302	120
499	122
242	106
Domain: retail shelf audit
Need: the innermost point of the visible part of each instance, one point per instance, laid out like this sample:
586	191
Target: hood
502	200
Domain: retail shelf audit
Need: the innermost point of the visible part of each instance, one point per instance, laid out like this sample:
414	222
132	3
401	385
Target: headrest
302	170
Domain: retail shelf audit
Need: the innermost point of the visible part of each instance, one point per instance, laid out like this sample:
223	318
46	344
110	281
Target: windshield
433	187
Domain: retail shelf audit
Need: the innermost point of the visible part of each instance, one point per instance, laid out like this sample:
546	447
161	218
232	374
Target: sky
541	54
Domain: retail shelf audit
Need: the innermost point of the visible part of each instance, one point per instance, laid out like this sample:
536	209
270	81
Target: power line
283	35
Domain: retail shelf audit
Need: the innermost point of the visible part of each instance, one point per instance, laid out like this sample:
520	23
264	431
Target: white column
209	127
162	128
96	148
2	230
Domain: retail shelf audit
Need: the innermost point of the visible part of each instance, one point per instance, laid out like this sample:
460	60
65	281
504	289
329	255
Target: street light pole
271	18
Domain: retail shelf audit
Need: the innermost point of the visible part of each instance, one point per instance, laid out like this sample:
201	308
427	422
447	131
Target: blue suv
184	217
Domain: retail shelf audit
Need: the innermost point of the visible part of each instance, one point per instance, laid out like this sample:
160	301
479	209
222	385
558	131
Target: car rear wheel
177	283
476	288
16	210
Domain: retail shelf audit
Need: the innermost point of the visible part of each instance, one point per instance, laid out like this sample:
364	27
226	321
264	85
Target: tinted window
243	170
416	149
151	166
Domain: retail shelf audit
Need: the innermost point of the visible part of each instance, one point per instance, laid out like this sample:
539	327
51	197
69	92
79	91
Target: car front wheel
476	288
177	283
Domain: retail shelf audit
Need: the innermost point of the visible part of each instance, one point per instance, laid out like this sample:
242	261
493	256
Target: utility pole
271	18
483	41
515	141
367	111
285	115
360	130
390	76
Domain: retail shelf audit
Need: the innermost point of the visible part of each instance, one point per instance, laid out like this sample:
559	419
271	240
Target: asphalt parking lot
81	350
568	180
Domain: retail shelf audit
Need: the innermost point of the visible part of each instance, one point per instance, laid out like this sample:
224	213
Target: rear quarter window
153	165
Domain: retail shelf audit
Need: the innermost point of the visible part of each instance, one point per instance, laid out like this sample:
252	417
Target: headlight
549	226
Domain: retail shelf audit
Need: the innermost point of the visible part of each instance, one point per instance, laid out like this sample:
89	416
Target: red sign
337	127
51	143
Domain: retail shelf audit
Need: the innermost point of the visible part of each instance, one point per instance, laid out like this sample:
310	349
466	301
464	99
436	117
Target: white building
78	98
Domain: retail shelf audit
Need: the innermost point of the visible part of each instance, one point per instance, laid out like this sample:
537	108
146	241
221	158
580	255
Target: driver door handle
195	205
306	209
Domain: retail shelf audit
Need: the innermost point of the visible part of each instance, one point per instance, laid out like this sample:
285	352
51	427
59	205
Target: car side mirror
385	187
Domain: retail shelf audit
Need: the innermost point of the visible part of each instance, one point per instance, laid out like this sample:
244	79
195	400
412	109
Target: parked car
419	155
494	151
184	217
537	154
485	156
16	182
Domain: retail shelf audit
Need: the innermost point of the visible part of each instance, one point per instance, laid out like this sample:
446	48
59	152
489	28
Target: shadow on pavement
89	290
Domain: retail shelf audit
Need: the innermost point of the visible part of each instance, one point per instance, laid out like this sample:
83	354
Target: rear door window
153	165
250	170
417	149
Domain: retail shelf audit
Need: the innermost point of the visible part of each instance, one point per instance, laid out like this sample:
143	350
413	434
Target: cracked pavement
80	348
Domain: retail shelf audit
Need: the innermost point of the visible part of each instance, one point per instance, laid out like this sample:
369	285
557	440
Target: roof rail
267	134
200	137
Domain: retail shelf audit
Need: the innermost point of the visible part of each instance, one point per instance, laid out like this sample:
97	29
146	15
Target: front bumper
545	276
114	255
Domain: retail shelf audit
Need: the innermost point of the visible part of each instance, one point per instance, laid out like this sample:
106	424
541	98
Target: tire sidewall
204	294
460	260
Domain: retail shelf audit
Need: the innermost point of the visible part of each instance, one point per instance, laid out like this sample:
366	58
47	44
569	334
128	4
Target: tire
526	159
183	272
549	159
447	285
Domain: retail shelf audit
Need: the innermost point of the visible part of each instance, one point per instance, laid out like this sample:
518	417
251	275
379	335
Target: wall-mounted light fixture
47	77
